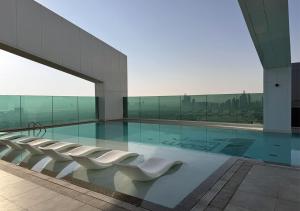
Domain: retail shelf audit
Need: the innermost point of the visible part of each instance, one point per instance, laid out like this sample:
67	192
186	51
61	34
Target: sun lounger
78	151
33	146
15	143
105	160
4	133
58	146
10	137
148	170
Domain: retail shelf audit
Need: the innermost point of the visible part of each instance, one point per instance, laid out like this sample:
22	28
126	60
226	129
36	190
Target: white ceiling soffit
268	24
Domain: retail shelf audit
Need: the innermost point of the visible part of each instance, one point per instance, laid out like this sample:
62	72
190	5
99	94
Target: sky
173	47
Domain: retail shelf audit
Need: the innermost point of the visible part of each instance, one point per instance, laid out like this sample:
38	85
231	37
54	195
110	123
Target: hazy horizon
174	47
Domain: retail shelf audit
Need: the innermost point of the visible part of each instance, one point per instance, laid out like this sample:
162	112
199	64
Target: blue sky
173	46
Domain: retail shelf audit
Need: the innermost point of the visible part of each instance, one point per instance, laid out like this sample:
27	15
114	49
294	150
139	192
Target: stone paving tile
253	201
17	188
47	194
289	192
272	171
34	197
257	186
9	180
266	187
231	207
4	174
57	203
213	209
6	205
87	208
283	205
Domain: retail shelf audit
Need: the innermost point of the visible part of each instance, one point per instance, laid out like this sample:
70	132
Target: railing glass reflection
235	108
18	111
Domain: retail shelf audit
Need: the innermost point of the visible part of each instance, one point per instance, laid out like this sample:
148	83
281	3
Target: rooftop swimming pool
203	150
269	147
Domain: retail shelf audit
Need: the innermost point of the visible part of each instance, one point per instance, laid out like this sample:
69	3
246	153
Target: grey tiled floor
266	188
261	187
19	194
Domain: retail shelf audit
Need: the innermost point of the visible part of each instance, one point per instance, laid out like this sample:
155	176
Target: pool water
201	149
270	147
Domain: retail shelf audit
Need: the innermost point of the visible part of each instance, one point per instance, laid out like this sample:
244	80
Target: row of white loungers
3	133
65	151
67	156
105	160
35	147
10	139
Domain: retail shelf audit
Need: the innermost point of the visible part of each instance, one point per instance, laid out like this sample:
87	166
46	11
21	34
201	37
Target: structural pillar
100	101
277	99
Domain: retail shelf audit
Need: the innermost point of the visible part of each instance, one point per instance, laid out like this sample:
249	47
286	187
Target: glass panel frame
149	107
10	112
65	110
87	109
36	109
170	107
231	108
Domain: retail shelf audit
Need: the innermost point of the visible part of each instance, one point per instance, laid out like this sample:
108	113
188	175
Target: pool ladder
34	126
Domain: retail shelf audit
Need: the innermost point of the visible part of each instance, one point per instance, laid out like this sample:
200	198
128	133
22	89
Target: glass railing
19	111
232	108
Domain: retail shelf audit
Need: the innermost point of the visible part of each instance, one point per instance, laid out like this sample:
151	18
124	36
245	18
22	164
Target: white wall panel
29	26
52	38
31	30
71	46
113	100
8	21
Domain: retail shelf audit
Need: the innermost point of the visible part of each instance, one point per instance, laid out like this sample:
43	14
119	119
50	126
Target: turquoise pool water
270	147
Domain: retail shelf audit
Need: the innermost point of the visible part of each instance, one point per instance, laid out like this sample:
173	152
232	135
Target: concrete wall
30	30
296	84
277	99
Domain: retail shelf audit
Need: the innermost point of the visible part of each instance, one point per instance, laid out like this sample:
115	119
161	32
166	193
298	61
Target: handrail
30	125
36	125
41	128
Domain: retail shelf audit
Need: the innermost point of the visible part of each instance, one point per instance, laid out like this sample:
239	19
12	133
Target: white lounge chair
58	147
4	133
78	151
15	143
148	170
105	160
10	136
33	146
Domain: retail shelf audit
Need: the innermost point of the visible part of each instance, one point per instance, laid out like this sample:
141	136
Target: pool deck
246	185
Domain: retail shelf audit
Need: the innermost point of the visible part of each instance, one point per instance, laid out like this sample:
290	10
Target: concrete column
100	105
277	99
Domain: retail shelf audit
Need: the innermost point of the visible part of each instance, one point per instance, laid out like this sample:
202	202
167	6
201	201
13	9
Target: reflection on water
277	148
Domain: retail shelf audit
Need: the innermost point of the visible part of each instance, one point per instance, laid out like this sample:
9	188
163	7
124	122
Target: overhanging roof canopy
268	24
